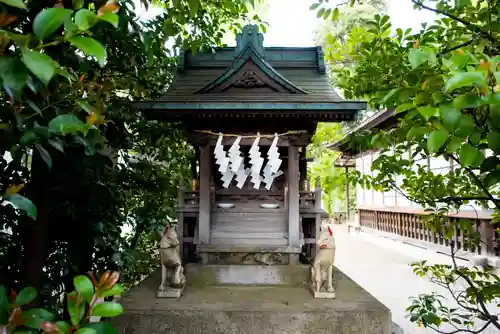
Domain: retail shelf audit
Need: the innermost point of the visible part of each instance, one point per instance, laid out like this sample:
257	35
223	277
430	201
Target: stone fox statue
322	268
172	273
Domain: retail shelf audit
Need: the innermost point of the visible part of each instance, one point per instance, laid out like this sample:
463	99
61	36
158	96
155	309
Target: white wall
371	198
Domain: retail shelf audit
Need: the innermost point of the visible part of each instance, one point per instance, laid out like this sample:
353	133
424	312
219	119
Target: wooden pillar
180	220
204	202
347	193
487	232
293	196
317	207
303	169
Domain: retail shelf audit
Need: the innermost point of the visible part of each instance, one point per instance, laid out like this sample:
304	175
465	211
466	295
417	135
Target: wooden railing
410	224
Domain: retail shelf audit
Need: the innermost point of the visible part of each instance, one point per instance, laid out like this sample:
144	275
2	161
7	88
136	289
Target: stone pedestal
251	255
170	293
322	294
217	301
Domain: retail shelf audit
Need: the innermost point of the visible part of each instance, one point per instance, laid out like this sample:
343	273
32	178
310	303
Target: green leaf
49	20
19	39
84	286
314	6
23	204
40	65
102	327
25	296
57	144
320	12
465	79
77	4
15	3
169	28
405	107
327	13
28	138
34	107
63	326
428	112
116	289
462	3
490	163
44	155
468	101
35	316
492	178
85	19
110	17
468	155
90	47
450	116
494	141
419	56
107	309
67	123
4	298
474	138
13	73
417	133
193	6
86	330
467	126
436	140
335	14
76	307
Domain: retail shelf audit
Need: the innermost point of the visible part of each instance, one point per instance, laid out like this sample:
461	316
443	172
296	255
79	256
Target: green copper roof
256	56
251	77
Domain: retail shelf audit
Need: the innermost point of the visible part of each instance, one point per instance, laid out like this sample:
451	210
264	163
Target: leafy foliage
82	304
334	34
78	163
442	83
332	180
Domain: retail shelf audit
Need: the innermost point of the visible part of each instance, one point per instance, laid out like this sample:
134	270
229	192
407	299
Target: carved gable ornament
250	70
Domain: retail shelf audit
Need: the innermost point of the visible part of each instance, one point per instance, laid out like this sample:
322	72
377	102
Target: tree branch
462	330
456	18
484	311
445	199
478	182
447	50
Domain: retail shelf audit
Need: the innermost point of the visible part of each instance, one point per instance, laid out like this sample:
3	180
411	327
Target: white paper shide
232	164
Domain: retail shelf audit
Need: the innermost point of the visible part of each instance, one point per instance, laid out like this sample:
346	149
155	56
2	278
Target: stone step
252	309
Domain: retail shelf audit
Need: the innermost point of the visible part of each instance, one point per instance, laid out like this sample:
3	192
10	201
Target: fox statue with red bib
322	267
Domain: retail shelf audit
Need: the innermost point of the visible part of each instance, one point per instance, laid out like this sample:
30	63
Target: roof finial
250	36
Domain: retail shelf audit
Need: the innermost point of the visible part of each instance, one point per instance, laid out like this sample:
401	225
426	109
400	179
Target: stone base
205	275
170	293
252	309
248	255
322	294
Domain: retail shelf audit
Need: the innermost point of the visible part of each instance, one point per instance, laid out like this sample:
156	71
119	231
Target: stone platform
260	309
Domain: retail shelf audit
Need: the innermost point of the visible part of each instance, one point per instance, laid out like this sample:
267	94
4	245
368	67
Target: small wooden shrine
250	214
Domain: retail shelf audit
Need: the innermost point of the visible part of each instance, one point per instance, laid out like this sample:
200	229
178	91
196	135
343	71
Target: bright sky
293	24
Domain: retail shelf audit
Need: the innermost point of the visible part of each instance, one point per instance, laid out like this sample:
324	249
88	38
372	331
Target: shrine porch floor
253	309
382	267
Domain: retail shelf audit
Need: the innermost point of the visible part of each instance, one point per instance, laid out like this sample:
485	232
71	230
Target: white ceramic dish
269	206
225	205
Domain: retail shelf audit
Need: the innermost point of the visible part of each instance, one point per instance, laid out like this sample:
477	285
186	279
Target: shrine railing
310	200
410	224
188	200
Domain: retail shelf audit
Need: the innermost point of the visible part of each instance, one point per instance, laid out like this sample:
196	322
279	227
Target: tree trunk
35	233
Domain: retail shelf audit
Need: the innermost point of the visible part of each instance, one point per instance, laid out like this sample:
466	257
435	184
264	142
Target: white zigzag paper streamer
256	161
